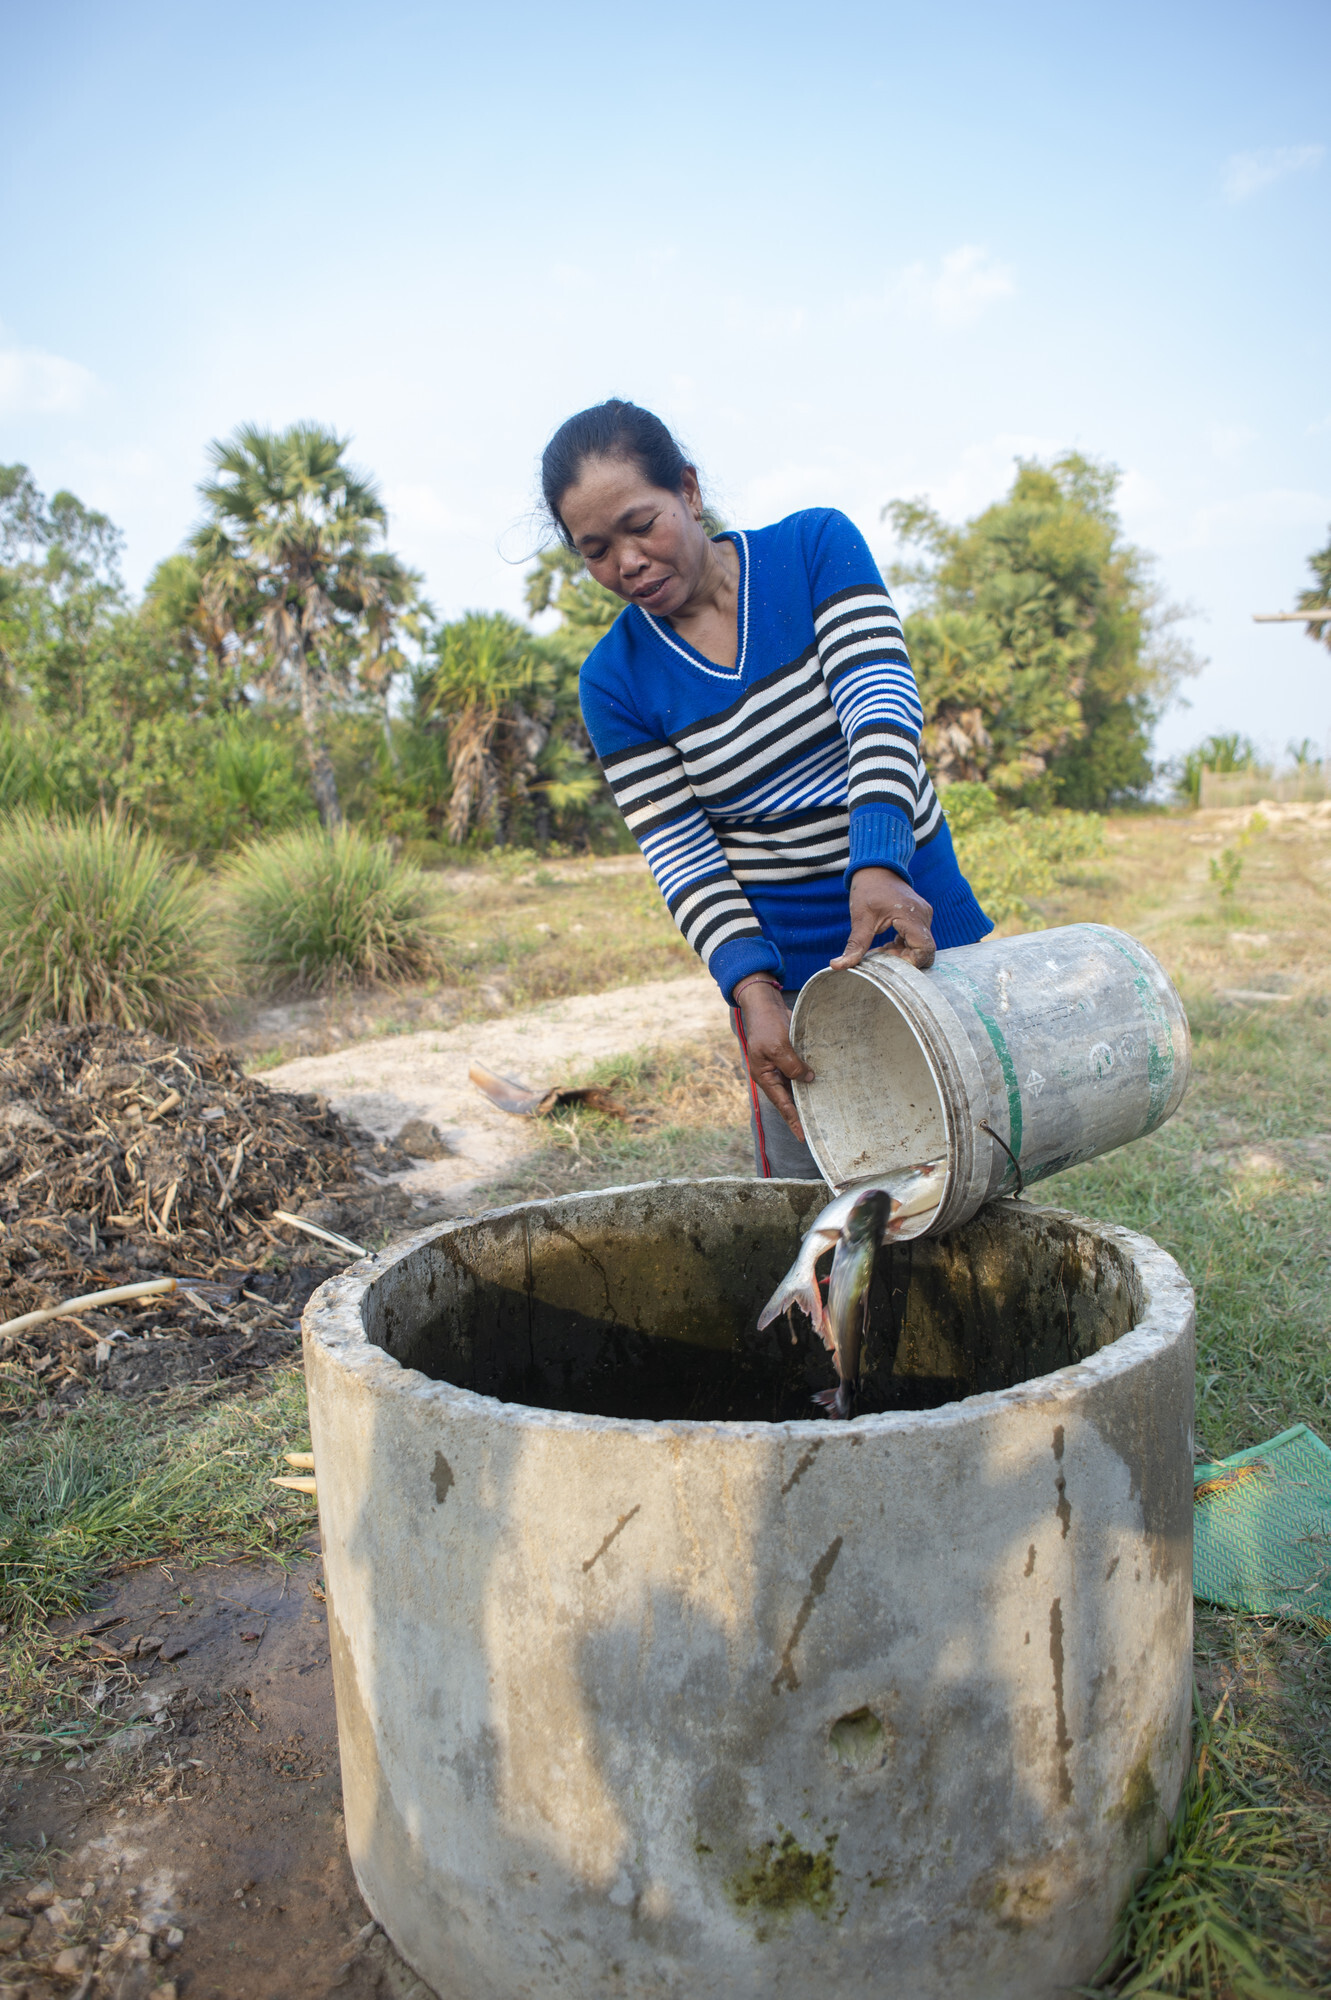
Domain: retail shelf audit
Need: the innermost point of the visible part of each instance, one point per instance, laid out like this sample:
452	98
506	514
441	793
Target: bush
256	784
312	911
97	925
1011	859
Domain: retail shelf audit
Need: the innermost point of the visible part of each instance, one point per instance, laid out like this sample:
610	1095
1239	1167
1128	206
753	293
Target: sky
849	253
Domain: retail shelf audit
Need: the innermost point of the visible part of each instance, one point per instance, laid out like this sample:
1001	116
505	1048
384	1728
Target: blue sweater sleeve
868	673
661	810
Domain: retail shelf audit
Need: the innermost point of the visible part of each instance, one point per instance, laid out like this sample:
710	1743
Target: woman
759	725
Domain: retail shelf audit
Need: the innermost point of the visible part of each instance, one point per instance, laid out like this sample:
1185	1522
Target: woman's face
645	544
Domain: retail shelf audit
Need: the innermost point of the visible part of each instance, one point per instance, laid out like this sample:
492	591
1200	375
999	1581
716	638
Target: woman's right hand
773	1063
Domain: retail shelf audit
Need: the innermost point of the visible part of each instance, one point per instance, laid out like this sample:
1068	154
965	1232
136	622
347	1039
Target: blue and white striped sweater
754	810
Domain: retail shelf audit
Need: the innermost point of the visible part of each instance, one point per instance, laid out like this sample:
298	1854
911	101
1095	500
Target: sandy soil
386	1084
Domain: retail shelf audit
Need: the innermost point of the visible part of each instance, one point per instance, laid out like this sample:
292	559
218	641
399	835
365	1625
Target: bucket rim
915	1001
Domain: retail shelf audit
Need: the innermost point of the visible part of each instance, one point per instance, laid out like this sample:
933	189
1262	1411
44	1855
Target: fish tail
837	1402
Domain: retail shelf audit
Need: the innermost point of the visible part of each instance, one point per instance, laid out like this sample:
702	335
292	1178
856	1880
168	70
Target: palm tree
388	601
483	661
1313	600
300	523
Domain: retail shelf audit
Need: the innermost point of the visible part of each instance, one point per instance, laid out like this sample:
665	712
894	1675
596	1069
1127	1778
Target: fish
854	1225
848	1294
914	1191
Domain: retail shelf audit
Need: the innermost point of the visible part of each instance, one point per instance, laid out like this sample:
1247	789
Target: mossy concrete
636	1706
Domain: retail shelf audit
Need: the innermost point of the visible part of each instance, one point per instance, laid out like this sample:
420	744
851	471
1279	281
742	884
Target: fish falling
853	1226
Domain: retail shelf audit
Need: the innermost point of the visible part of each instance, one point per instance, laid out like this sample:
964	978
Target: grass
97	924
520	932
1235	1188
1226	1911
540	932
309	911
110	1484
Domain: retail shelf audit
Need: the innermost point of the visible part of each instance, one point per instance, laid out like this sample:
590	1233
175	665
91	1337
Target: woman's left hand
881	900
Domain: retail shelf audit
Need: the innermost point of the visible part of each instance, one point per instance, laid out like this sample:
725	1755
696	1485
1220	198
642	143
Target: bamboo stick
149	1288
313	1229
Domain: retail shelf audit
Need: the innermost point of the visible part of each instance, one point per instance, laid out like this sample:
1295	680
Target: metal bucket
1011	1059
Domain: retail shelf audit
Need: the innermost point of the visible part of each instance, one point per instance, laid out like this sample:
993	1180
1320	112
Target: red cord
753	1093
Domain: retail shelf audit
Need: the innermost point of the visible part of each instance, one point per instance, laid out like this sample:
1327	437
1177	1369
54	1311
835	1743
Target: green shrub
1012	859
97	925
1227	868
312	910
257	786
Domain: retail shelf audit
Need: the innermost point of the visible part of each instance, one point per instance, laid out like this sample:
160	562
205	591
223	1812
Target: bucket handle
1007	1149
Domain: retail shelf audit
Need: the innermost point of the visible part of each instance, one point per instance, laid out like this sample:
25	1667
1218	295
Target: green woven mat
1262	1528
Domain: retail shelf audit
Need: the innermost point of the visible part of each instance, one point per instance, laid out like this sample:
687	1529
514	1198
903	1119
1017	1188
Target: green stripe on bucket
1001	1050
1160	1045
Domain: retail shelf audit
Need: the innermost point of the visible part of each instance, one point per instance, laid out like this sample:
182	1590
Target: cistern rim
333	1323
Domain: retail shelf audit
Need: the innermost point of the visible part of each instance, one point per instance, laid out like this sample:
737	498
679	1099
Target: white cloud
1247	174
37	384
966	282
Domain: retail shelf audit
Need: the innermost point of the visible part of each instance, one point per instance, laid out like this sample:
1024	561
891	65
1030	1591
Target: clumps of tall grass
97	923
311	911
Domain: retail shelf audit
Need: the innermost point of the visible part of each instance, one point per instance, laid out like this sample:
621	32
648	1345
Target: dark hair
613	429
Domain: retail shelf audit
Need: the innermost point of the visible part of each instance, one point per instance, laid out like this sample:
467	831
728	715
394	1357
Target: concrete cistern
649	1683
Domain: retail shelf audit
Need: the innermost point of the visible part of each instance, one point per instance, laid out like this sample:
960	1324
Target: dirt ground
383	1085
205	1855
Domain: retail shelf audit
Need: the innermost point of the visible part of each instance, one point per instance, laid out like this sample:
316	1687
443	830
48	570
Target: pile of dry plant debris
125	1157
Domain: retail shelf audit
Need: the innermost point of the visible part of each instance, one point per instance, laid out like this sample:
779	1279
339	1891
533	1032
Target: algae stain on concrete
1140	1801
781	1877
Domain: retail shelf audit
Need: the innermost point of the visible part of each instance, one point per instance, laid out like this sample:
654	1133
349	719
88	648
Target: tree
559	582
388	600
1312	600
60	589
571	787
482	662
205	599
299	525
103	704
1039	640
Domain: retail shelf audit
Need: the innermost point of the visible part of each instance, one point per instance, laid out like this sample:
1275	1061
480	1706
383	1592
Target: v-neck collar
691	653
